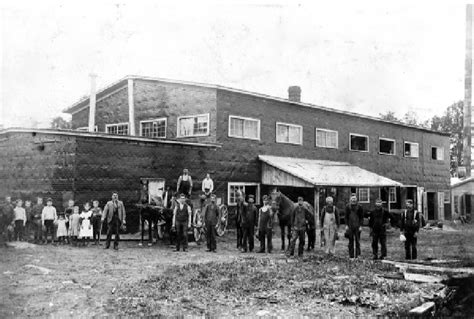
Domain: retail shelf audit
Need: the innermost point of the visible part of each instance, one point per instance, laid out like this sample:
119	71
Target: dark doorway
431	205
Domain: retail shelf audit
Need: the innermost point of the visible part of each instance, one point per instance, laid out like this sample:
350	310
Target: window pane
331	140
387	147
363	194
358	143
321	138
236	127
294	134
250	129
282	133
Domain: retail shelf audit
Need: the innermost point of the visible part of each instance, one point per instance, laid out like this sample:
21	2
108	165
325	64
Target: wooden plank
430	268
424	308
423	278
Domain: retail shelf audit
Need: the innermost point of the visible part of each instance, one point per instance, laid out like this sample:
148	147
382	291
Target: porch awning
300	172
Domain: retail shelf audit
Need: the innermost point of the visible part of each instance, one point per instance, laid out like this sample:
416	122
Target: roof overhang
300	172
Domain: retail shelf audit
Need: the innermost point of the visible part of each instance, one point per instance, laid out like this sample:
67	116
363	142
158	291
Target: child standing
19	220
74	225
48	218
61	232
29	218
86	228
67	213
96	220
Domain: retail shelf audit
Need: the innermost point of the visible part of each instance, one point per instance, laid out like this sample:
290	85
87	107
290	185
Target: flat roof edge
107	136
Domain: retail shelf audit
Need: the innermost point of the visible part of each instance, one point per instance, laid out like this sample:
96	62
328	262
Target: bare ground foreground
64	281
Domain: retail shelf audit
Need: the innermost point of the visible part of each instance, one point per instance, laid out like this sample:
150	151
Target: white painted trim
409	156
131	109
229	184
328	131
289	125
194	135
394	146
151	121
368	195
245	119
359	135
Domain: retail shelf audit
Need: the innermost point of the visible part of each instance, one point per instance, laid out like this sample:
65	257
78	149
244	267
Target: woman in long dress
86	227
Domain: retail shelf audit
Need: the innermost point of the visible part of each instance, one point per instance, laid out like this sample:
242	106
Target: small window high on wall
386	146
326	138
289	133
193	125
437	153
244	127
359	143
117	129
411	149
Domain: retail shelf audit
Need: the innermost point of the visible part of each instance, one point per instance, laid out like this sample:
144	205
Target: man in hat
354	218
241	210
410	226
249	220
378	223
211	218
299	218
114	213
265	225
48	218
182	217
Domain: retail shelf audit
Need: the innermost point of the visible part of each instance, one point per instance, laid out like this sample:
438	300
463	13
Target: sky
365	57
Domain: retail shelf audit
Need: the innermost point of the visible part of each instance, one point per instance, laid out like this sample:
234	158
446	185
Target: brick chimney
294	93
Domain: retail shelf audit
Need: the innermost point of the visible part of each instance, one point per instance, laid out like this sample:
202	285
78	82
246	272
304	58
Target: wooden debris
444	270
423	278
423	309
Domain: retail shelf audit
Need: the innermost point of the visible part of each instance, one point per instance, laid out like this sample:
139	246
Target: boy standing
48	217
19	219
96	221
410	225
36	220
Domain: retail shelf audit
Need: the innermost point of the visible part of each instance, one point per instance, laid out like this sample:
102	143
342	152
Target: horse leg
150	229
282	230
142	221
288	227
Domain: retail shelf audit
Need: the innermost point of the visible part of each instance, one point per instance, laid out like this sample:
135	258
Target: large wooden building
153	128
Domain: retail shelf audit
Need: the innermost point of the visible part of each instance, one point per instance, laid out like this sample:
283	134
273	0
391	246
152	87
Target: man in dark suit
211	218
241	210
114	213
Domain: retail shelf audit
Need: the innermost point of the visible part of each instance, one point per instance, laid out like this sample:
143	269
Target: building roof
105	136
120	84
458	182
328	173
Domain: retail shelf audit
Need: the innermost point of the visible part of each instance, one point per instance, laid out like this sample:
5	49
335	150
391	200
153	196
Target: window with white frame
326	138
289	133
364	195
359	143
411	149
390	195
244	127
447	197
246	188
386	146
117	129
194	125
86	128
153	128
437	153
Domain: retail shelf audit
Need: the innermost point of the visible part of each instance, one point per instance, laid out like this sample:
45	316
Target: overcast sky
369	57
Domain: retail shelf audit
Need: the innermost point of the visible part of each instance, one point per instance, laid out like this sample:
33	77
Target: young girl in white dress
61	233
86	227
74	225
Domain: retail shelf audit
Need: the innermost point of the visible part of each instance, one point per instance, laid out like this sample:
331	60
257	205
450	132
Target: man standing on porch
354	217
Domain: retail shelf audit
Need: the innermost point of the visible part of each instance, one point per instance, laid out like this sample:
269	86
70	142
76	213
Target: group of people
22	221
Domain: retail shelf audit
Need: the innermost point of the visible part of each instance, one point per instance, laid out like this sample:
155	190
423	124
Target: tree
58	123
452	122
389	116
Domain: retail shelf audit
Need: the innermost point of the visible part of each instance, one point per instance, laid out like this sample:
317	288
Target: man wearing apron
330	224
185	184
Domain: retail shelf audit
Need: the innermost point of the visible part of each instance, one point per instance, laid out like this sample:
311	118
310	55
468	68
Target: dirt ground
65	281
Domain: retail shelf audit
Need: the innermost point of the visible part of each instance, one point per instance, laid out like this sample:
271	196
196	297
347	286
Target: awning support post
317	244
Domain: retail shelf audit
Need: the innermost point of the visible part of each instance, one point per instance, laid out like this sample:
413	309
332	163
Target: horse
149	214
285	208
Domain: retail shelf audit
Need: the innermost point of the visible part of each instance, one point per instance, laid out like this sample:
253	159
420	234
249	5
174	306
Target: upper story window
194	125
153	128
326	138
359	142
386	146
117	129
437	153
244	127
411	149
289	133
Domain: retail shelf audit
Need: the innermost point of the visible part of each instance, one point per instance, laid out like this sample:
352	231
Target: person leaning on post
354	218
378	224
